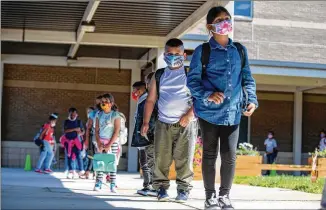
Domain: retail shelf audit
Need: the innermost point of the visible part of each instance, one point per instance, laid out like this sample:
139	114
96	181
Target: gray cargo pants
173	142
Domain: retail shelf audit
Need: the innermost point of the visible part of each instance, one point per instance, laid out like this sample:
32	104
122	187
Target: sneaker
113	188
212	203
66	173
75	175
225	202
143	191
162	195
70	175
98	185
48	171
152	193
39	171
182	196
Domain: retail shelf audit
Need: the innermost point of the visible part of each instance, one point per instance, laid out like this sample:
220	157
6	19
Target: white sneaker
113	188
66	173
75	175
70	175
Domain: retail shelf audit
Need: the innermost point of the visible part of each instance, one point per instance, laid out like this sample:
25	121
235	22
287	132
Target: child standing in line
45	140
144	144
107	129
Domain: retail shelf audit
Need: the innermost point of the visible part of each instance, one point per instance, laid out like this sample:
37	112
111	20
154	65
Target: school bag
105	162
123	135
37	139
206	50
158	75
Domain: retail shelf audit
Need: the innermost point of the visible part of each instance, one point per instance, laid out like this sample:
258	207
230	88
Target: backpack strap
158	75
241	53
187	68
205	54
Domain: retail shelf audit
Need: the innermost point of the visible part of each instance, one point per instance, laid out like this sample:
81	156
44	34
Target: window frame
242	17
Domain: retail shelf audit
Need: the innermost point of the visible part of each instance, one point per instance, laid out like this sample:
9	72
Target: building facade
48	67
287	53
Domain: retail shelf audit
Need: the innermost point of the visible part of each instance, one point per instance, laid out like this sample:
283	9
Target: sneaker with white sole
162	195
113	189
98	185
143	191
75	175
212	203
225	202
70	175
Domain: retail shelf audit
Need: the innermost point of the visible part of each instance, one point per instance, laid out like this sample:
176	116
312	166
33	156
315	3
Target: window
243	8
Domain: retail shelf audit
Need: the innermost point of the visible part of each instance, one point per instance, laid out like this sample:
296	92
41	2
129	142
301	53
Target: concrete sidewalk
28	190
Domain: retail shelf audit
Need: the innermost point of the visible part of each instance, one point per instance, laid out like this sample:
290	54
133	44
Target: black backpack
206	51
158	75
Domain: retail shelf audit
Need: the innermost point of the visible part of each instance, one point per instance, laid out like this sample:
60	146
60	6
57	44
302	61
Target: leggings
228	136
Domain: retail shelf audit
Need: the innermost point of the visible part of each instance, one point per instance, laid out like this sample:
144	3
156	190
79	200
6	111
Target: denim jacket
137	139
224	75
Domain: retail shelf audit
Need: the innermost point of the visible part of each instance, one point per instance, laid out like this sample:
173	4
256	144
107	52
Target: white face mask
53	124
72	119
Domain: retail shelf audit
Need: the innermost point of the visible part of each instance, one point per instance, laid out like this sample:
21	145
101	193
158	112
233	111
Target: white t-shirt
270	144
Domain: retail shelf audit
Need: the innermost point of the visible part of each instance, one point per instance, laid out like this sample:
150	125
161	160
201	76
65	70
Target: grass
300	183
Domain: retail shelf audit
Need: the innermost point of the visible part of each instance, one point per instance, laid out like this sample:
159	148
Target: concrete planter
248	165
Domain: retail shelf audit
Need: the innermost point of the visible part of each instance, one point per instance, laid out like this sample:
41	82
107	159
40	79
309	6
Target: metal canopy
120	25
62	16
142	18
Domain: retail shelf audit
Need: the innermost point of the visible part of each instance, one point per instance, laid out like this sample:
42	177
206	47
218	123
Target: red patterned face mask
134	96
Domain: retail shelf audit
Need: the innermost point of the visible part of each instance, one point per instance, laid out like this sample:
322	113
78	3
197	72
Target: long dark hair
111	98
215	12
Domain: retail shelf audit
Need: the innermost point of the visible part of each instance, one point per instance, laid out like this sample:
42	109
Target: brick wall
283	42
24	110
273	115
314	119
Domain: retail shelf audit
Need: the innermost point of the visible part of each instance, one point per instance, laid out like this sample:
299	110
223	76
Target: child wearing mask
107	129
45	140
219	73
73	130
176	127
144	144
90	140
322	143
271	148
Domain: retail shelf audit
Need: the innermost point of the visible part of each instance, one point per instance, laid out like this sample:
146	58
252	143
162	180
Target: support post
297	129
1	90
160	63
132	151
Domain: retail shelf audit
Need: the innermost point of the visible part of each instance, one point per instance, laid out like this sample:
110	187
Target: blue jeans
46	156
71	164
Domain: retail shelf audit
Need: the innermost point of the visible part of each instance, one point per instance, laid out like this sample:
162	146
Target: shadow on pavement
29	190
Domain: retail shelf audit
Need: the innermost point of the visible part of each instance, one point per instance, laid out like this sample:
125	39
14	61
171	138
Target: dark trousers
270	160
228	136
146	160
